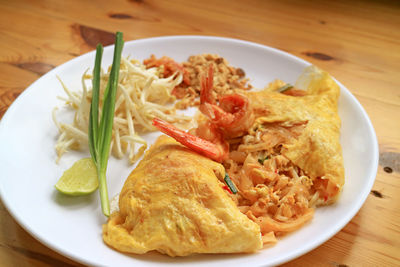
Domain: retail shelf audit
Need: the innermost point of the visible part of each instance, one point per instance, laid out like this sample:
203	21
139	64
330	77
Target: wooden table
358	42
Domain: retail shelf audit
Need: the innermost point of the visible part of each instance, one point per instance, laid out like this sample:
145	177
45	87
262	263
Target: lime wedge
80	179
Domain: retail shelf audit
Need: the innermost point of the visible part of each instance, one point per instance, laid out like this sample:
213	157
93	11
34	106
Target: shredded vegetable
141	96
285	88
230	184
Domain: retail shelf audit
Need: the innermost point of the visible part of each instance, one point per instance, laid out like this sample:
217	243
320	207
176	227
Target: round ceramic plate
73	226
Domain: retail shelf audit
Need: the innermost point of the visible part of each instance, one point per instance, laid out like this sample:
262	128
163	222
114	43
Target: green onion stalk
100	133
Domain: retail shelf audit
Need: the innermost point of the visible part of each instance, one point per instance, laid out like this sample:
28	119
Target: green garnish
261	161
285	88
100	134
230	184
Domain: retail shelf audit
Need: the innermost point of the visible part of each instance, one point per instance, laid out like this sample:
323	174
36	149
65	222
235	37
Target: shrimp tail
208	104
206	87
195	143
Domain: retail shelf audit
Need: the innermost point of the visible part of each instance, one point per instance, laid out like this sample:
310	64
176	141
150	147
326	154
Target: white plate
72	226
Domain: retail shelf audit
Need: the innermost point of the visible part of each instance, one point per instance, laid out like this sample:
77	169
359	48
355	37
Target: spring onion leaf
285	88
94	107
100	133
230	184
261	161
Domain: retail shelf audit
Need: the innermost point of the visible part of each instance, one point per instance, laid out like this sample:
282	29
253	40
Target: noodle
273	192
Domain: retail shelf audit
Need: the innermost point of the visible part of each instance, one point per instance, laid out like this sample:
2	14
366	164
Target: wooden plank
18	248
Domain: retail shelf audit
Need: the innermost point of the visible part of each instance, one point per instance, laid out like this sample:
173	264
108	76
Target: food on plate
144	92
174	202
265	159
101	125
281	148
80	179
142	95
227	78
87	174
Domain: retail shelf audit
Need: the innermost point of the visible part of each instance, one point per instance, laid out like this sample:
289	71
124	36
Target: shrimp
229	118
233	114
170	67
218	151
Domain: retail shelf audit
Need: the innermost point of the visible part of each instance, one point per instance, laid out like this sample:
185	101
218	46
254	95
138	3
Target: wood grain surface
358	42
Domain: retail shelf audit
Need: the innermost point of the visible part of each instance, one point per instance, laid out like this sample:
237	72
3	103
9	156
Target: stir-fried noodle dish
272	155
